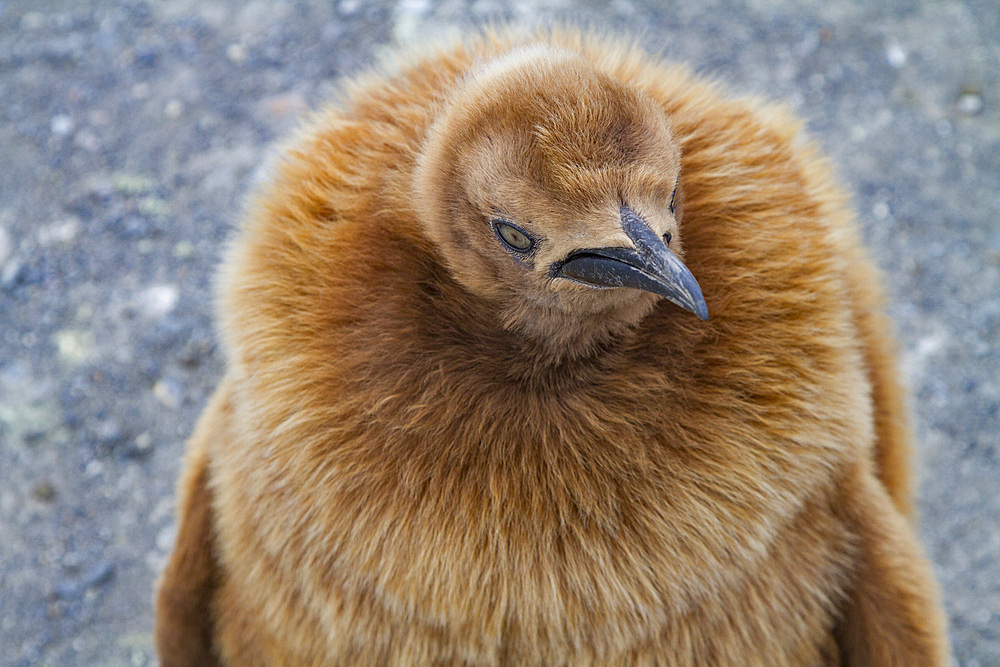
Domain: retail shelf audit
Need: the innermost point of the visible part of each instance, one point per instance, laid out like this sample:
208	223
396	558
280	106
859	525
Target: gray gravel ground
130	134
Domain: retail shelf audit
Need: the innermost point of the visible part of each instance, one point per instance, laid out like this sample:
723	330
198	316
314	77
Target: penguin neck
553	333
551	339
533	346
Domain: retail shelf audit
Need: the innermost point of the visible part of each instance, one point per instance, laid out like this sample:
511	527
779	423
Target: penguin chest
533	553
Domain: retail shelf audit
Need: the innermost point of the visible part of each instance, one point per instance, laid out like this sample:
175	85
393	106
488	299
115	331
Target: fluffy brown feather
429	450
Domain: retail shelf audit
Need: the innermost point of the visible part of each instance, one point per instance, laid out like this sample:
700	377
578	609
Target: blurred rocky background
132	132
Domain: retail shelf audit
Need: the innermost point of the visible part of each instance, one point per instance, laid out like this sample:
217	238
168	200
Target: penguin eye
672	195
513	237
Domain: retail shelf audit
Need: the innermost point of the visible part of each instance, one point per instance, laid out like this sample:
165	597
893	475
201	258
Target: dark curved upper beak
650	266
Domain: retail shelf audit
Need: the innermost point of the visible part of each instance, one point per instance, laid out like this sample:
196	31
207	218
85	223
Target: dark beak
650	266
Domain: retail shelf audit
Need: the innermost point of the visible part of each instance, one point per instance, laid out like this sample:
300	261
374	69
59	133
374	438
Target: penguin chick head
551	189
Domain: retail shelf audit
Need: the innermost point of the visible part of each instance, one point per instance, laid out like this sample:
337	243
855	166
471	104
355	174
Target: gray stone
11	273
6	247
99	575
970	103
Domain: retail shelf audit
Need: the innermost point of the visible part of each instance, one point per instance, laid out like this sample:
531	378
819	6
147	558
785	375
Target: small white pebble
61	125
185	250
880	210
158	300
349	7
74	346
236	53
143	441
895	55
59	232
970	103
10	270
174	109
168	393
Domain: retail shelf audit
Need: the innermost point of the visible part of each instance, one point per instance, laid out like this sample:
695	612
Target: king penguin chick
541	352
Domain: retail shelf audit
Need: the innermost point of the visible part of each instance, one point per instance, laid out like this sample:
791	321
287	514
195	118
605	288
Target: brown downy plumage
473	415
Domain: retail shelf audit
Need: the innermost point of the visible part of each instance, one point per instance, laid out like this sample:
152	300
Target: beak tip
701	310
694	304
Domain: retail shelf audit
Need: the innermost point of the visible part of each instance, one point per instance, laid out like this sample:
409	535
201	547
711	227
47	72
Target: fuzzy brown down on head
540	138
491	399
